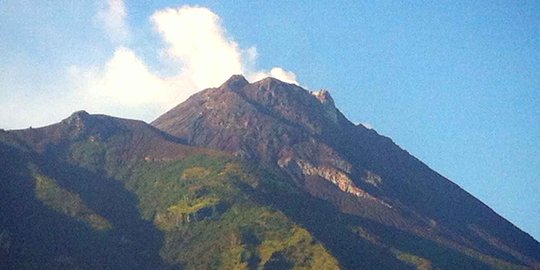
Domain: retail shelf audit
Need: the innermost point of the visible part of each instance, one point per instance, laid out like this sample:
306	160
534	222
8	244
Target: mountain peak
235	82
78	119
330	110
79	114
270	82
324	96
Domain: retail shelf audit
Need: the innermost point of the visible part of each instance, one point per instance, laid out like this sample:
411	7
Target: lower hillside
193	213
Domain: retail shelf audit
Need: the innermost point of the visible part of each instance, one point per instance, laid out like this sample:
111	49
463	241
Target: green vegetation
90	154
437	255
68	203
209	217
210	221
419	262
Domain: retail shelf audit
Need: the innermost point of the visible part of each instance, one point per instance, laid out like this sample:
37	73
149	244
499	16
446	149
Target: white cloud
198	41
128	81
276	72
113	19
195	39
367	125
126	87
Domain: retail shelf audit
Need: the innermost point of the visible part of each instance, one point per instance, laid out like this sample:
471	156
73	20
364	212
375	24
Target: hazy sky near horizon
455	83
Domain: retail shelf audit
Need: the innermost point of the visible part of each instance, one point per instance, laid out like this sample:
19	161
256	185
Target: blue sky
455	83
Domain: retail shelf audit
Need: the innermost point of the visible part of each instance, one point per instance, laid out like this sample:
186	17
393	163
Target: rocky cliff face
303	135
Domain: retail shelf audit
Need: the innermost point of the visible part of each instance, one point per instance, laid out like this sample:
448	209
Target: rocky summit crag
262	175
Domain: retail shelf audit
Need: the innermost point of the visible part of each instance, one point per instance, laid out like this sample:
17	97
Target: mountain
300	134
262	175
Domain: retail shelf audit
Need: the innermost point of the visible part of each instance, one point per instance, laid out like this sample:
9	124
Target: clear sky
455	83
